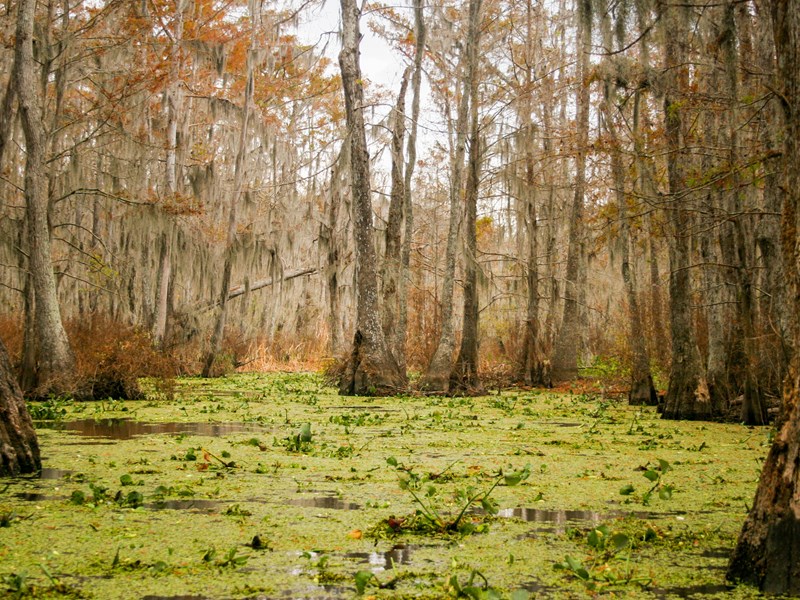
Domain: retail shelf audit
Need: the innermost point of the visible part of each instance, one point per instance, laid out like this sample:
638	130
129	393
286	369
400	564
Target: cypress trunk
370	369
55	363
437	375
768	551
570	333
687	395
19	448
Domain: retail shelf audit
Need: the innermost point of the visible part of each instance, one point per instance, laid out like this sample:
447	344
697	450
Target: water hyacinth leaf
362	579
665	493
454	585
651	475
133	499
466	528
573	563
126	479
576	567
159	567
470	591
626	490
477	593
516	477
305	432
595	539
99	492
519	595
664	465
392	461
490	506
620	541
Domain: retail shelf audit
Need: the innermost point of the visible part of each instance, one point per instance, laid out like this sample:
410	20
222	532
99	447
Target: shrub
111	357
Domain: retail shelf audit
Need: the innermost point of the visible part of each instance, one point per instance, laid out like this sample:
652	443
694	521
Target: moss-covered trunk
687	396
370	368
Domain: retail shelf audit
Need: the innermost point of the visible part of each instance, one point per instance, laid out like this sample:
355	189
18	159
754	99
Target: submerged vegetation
260	486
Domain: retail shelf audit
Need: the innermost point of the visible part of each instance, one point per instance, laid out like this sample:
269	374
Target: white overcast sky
378	63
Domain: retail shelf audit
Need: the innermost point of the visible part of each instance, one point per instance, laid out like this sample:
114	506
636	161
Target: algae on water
165	498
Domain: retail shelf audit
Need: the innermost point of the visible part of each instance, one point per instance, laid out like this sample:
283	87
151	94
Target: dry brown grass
285	353
110	357
11	334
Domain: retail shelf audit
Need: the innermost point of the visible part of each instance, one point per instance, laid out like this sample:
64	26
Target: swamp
274	486
463	213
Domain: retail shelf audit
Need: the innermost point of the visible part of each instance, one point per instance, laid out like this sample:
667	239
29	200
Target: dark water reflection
34	496
692	591
125	429
562	517
195	504
554	517
331	502
190	597
54	473
383	561
538	589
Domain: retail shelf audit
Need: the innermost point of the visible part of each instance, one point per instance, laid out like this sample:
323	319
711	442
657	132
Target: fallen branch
240	290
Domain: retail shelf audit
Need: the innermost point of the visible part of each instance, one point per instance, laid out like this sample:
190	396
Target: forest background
185	189
594	187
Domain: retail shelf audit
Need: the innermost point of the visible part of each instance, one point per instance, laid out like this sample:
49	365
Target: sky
378	63
380	66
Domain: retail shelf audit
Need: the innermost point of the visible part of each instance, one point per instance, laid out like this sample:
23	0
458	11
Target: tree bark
174	102
687	395
55	365
768	551
642	390
437	375
218	333
330	244
754	409
570	333
7	114
774	306
646	186
551	289
401	333
392	260
163	278
716	249
370	368
535	369
465	372
19	448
